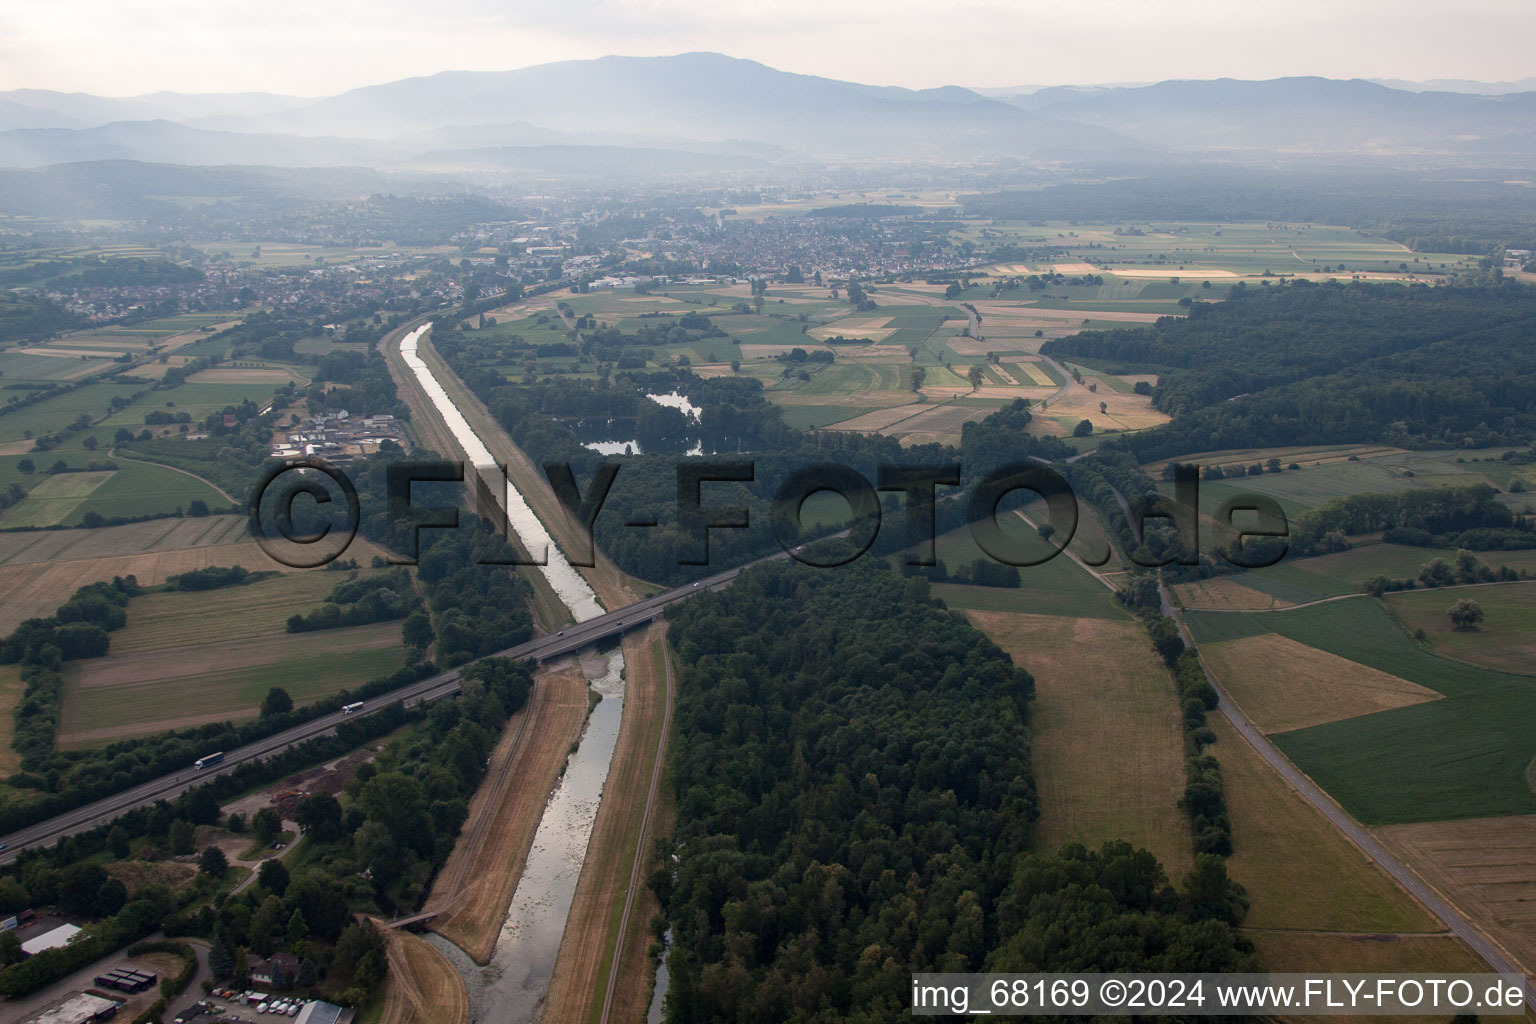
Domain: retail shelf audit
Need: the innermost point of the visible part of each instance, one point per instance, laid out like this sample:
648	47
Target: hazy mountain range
705	111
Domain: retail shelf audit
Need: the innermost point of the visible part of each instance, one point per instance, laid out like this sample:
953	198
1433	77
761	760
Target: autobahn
444	684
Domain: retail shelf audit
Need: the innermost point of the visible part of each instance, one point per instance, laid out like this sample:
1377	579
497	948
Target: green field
54	499
141	489
21	366
1505	639
195	398
315	665
1057	587
1461	757
210	655
804	417
1302	580
55	413
1311	486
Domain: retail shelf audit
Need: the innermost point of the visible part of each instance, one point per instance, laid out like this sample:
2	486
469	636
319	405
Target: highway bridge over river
445	684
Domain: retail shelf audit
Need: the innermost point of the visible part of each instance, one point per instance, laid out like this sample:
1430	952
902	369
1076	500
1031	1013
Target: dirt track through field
618	854
475	887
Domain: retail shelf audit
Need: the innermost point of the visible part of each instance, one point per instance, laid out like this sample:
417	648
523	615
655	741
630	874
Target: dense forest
855	801
1334	363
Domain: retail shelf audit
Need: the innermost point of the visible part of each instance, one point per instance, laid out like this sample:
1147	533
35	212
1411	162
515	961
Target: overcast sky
125	47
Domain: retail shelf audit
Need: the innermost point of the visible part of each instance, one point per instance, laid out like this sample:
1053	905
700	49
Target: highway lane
444	684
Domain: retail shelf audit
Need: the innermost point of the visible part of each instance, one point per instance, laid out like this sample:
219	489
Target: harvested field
1486	867
132	539
53	564
1036	373
177	341
423	987
1282	684
939	421
856	400
883	419
1105	734
1054	317
36	588
1302	952
873	328
1188	272
1300	872
1124	412
579	985
472	892
243	375
1223	592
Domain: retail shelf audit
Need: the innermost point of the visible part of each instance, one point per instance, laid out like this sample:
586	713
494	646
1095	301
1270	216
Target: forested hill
1335	363
854	794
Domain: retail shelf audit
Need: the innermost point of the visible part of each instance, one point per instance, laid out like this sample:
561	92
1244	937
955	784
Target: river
511	989
567	583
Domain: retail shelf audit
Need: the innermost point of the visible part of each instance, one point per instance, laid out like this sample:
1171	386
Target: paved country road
1309	791
1458	924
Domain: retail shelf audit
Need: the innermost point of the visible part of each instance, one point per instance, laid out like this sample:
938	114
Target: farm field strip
54	499
1281	684
1300	872
189	618
1098	685
122	695
1487	867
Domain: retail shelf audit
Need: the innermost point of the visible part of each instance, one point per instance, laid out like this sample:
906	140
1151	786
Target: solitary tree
1083	428
1465	614
213	863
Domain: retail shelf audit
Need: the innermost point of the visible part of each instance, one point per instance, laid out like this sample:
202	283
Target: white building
60	937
